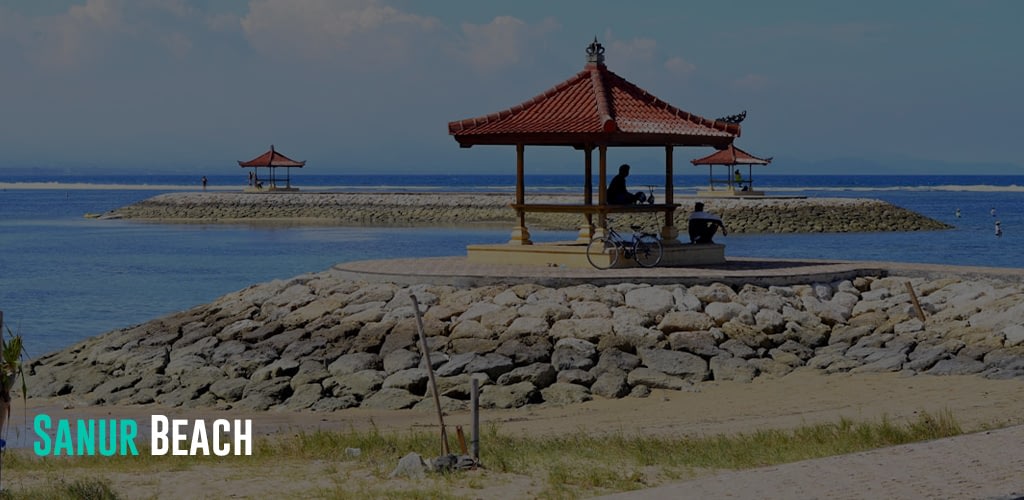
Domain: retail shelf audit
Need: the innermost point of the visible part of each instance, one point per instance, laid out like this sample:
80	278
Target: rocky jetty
322	342
747	215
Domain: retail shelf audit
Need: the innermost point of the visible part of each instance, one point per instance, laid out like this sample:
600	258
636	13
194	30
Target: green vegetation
557	467
12	351
78	489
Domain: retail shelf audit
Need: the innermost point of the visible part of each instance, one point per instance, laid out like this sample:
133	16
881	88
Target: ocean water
64	278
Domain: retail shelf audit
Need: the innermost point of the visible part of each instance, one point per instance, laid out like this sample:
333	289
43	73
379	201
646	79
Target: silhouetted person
703	225
204	183
617	192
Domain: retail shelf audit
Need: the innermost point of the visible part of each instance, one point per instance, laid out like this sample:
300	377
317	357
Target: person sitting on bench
617	192
703	225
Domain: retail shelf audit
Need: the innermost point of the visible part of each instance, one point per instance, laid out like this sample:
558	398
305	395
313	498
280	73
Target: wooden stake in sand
913	298
474	394
430	373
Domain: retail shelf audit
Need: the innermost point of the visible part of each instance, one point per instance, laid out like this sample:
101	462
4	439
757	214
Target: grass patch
566	466
78	489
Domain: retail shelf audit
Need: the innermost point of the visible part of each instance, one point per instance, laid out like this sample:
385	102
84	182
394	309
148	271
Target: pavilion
271	160
594	109
731	157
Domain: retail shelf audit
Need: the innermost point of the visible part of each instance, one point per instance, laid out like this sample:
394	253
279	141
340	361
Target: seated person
703	225
738	177
617	193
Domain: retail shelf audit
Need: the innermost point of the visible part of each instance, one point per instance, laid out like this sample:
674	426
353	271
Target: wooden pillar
587	230
602	190
520	235
669	233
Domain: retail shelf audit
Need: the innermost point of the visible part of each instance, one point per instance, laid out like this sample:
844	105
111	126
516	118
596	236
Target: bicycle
650	197
645	248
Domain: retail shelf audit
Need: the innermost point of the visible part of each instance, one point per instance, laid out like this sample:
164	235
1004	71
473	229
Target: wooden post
588	194
430	373
602	190
913	298
520	235
462	440
474	403
669	234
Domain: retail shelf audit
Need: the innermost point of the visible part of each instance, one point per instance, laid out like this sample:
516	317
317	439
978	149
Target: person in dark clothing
703	225
617	192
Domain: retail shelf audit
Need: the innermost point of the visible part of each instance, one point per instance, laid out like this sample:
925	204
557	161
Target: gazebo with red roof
594	109
271	160
730	157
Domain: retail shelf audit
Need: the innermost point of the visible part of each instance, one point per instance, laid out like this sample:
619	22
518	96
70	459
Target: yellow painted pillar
520	235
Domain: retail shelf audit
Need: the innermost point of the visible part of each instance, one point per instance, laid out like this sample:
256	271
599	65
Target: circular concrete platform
458	271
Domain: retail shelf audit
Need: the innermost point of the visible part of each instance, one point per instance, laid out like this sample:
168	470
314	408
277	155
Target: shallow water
64	278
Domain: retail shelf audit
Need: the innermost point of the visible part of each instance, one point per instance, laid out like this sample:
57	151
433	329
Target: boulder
509	396
565	394
573	353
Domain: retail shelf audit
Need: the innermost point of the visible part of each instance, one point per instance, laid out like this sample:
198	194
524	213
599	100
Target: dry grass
555	467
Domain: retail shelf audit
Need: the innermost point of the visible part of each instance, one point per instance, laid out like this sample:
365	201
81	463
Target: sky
362	86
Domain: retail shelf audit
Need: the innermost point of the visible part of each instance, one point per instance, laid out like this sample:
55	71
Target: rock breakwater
322	342
771	215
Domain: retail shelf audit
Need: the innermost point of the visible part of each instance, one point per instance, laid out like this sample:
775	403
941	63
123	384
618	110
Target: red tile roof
731	155
595	106
271	159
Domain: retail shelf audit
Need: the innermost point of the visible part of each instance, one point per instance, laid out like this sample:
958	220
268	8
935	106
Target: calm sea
64	278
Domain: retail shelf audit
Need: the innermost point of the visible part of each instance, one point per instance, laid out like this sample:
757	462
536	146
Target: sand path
982	465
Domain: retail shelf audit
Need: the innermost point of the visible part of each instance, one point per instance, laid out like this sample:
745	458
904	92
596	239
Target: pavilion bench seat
579	208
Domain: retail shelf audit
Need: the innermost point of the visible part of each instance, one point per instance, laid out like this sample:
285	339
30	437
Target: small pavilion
594	109
271	160
734	185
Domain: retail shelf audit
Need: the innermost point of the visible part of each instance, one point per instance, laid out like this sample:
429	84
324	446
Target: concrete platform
729	193
458	271
574	254
271	189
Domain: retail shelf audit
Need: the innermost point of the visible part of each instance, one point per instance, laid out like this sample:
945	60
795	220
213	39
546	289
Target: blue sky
358	86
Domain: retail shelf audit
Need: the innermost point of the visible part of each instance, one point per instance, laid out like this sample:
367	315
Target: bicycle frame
644	248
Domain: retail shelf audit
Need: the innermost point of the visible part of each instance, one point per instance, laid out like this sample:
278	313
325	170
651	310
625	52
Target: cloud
118	32
643	50
680	67
501	43
347	31
73	38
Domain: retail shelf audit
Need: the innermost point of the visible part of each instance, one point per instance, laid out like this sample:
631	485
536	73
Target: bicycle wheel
603	253
647	250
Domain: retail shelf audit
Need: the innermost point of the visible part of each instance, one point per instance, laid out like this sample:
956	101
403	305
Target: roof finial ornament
737	118
595	52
